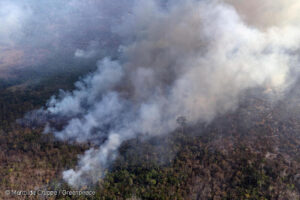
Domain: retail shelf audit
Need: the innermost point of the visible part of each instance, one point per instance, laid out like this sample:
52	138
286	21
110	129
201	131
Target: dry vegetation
252	153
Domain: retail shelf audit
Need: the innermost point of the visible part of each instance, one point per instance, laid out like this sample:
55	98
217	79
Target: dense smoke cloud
181	58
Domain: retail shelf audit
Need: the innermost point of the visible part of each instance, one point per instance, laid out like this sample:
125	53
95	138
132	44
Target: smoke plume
176	58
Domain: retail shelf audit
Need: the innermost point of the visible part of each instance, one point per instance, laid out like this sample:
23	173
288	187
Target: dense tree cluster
252	153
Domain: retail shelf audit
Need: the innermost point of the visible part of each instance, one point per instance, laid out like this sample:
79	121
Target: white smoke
182	58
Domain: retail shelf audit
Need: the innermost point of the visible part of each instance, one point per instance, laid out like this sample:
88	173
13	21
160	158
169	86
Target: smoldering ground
181	58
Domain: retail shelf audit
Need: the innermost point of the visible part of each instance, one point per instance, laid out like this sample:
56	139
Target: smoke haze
268	13
37	31
176	58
